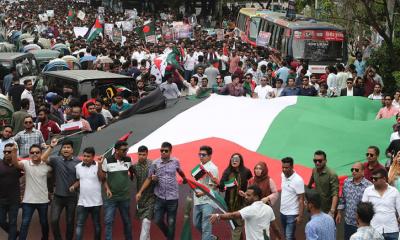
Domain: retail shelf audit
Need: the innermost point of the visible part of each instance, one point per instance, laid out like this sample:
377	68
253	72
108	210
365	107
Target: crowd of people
369	203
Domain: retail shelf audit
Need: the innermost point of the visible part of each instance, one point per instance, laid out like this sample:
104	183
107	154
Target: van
78	84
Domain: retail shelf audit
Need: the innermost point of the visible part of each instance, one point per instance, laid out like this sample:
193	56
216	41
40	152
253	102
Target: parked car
78	84
25	64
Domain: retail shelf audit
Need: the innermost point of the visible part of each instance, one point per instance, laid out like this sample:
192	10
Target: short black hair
288	160
380	171
89	150
67	142
365	211
207	149
9	145
376	149
279	80
56	99
35	146
166	145
143	149
26	81
25	103
257	190
89	104
8	126
119	144
320	152
313	197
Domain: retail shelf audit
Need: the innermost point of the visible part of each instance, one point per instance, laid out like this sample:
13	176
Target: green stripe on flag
230	183
343	127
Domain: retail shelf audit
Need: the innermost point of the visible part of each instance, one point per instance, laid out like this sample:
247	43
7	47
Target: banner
220	34
81	15
108	29
151	39
100	10
80	31
117	35
127	26
263	38
167	33
43	17
182	31
50	13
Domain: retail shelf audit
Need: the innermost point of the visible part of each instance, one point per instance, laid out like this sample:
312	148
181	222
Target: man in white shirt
212	72
89	179
257	216
292	198
27	93
263	91
279	88
36	196
189	63
386	201
169	89
203	207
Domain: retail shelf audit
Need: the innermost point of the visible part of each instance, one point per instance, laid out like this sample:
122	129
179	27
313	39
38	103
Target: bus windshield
318	46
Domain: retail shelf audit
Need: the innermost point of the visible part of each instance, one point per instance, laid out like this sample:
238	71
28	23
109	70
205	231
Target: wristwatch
218	217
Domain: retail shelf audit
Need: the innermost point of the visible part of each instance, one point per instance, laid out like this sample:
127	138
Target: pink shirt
387	112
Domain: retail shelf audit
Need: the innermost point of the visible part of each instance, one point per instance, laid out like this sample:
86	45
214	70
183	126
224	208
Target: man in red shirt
47	126
94	94
372	164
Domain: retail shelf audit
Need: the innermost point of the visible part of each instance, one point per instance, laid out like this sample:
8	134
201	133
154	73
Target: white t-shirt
36	182
394	136
264	92
28	95
291	187
90	185
257	218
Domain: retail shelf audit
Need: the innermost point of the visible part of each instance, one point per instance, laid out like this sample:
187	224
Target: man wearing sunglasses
163	173
386	201
27	137
9	190
202	204
352	193
117	186
372	162
36	196
326	183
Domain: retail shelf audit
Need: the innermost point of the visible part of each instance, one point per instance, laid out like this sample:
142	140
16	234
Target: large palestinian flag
269	130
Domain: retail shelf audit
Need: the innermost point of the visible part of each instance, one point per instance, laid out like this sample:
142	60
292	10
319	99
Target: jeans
9	211
170	208
27	212
349	230
109	214
201	220
289	226
82	214
391	236
57	206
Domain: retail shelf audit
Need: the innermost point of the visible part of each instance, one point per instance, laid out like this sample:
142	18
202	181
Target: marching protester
364	214
145	205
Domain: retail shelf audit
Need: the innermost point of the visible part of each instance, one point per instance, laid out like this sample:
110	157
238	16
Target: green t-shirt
117	177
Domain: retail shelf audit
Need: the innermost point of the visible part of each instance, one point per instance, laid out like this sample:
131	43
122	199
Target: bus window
254	24
274	29
278	38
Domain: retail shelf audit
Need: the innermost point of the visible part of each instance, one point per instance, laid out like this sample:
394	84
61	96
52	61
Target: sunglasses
374	179
142	154
354	170
233	159
6	152
30	122
36	152
317	160
369	154
203	155
164	150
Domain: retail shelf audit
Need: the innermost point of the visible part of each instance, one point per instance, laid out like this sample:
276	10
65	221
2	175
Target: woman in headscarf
263	181
394	172
235	179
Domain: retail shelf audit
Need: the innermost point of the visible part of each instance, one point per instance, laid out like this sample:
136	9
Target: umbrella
88	58
104	59
56	65
72	62
62	48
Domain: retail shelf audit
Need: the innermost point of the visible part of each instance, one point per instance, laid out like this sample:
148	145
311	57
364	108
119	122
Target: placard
100	10
220	34
117	35
127	26
81	15
50	13
80	31
108	29
43	17
263	38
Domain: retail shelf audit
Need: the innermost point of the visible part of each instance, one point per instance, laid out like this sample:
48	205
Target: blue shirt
351	195
116	108
283	73
166	186
7	82
321	227
360	67
287	91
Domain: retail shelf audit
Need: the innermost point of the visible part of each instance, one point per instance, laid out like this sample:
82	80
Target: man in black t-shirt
96	120
14	93
9	191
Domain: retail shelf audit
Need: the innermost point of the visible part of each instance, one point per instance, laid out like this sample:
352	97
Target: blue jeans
201	220
82	214
57	206
109	214
9	211
289	226
27	211
391	236
349	230
170	208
